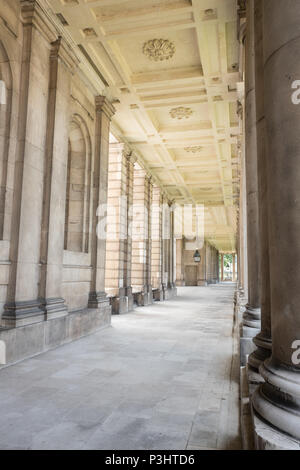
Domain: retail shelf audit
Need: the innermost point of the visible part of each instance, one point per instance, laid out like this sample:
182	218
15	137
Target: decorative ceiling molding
159	49
181	112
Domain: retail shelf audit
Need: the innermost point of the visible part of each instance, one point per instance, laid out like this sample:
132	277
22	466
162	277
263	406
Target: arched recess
6	87
78	194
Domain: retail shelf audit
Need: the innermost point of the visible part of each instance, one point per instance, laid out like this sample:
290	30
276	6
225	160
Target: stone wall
54	133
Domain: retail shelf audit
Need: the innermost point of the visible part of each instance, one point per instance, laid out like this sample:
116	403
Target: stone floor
163	377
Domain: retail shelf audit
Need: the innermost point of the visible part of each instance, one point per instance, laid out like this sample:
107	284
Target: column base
119	305
256	432
180	283
142	299
251	317
263	351
246	342
98	300
55	308
170	292
158	295
129	296
277	401
202	283
17	314
268	438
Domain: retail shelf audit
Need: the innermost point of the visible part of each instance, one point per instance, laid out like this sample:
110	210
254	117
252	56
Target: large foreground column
263	339
251	317
278	400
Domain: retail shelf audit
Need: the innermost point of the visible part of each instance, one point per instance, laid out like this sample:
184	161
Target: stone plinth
36	338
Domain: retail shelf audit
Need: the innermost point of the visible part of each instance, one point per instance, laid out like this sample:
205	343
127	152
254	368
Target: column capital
242	7
33	15
132	157
104	105
60	50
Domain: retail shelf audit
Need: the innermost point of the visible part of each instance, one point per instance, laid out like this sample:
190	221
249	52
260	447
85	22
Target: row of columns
273	203
139	247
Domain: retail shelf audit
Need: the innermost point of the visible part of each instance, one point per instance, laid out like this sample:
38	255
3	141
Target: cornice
60	50
33	15
104	105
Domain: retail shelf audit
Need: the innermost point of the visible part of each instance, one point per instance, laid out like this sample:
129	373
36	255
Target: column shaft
263	339
278	400
104	113
156	239
116	243
251	317
141	272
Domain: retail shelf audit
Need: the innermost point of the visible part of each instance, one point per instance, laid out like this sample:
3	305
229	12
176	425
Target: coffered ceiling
171	68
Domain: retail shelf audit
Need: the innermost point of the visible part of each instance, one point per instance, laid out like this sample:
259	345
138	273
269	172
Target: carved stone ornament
159	49
181	113
195	149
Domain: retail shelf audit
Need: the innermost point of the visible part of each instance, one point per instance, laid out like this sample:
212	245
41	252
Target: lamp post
197	256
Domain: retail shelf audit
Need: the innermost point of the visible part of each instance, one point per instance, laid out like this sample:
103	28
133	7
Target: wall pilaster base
18	314
55	308
98	300
30	340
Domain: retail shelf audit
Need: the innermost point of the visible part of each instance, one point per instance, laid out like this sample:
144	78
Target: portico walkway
163	377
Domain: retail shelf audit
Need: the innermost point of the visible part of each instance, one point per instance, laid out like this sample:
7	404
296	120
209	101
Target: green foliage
227	261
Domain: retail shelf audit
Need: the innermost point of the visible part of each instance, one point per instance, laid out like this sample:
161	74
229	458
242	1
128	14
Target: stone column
56	157
149	240
172	251
233	267
179	263
165	245
104	113
131	159
116	243
23	304
201	268
278	400
140	237
263	339
216	265
171	289
156	238
251	316
222	267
